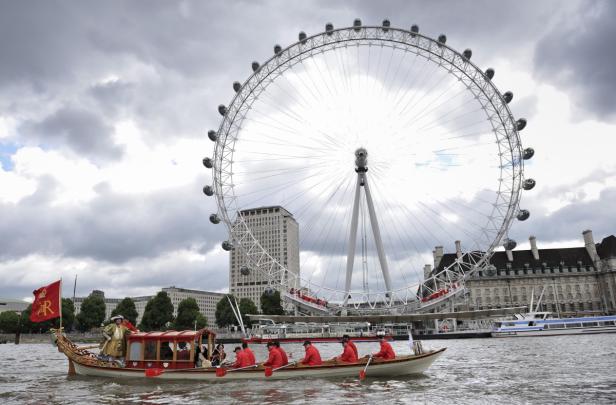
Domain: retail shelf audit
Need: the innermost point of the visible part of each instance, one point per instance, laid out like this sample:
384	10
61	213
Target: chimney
427	271
591	248
458	249
509	255
533	247
438	255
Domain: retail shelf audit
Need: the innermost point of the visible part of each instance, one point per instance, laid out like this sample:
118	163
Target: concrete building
9	304
278	233
206	301
576	280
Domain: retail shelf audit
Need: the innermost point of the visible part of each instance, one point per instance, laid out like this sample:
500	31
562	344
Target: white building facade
278	233
206	301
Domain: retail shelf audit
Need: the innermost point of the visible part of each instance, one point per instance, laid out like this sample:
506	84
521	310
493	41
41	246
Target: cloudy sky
105	106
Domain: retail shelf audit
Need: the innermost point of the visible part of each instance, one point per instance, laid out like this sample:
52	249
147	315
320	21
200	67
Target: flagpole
60	303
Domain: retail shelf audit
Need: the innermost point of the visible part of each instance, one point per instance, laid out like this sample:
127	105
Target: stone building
573	280
278	233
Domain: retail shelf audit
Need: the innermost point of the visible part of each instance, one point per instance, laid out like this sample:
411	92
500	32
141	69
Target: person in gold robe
115	338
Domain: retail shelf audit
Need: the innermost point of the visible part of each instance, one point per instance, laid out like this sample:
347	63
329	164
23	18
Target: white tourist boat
145	359
536	323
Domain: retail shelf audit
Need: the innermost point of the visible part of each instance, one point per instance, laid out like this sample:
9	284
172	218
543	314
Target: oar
221	372
269	371
362	373
89	347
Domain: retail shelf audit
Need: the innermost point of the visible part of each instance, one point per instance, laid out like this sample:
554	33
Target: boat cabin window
497	324
150	350
510	324
574	325
531	323
608	323
557	326
135	351
183	351
589	324
166	350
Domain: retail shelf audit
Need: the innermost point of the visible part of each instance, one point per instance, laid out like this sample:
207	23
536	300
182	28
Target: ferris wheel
382	143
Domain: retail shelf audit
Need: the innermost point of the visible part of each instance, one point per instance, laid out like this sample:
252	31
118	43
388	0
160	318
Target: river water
543	370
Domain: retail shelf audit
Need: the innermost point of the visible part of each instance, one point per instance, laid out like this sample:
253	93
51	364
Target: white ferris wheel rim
477	82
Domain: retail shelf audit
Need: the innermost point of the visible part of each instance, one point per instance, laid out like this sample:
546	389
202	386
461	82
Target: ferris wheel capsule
208	191
226	245
490	73
528	153
212	134
508	96
520	124
244	270
222	110
302	37
509	244
529	184
277	49
255	66
329	28
467	53
414	30
523	215
214	219
237	86
207	162
442	38
386	24
357	24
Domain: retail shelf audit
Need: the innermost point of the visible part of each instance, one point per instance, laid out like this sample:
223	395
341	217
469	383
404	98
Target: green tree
271	303
224	313
158	312
201	321
92	313
188	311
127	309
26	325
247	307
9	322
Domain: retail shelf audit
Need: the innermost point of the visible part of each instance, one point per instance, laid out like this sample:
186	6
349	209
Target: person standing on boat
312	357
115	338
350	342
348	355
386	352
285	358
275	358
250	356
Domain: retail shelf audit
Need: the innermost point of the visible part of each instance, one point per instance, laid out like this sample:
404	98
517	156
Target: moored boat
543	324
147	356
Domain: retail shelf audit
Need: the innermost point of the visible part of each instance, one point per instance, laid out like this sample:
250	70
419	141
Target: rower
348	339
285	358
348	355
240	358
386	352
250	356
275	358
312	357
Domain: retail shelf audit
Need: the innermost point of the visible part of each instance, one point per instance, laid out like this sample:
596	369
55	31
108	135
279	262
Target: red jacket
313	357
353	347
386	353
241	360
285	359
250	356
275	359
348	356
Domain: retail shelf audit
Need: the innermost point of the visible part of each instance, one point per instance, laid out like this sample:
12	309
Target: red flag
46	303
129	325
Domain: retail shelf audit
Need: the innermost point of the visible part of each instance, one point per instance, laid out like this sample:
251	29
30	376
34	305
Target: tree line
158	314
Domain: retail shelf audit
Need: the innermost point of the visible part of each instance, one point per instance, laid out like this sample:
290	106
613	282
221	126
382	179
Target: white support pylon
361	163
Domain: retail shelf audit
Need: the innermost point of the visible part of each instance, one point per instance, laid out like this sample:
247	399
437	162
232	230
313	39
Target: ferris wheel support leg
377	237
352	242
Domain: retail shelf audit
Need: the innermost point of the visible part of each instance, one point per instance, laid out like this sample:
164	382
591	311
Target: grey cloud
578	56
83	131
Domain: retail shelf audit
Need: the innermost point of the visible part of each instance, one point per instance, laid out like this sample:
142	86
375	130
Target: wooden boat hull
406	365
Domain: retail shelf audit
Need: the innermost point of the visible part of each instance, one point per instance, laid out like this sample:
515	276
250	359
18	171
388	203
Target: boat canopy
184	335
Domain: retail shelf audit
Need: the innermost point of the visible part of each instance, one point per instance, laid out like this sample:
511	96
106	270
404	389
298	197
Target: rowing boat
83	362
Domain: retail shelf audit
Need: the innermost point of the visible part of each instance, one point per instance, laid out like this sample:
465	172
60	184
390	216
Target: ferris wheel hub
361	160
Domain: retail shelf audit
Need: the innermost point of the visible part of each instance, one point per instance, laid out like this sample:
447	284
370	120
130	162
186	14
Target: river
541	370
